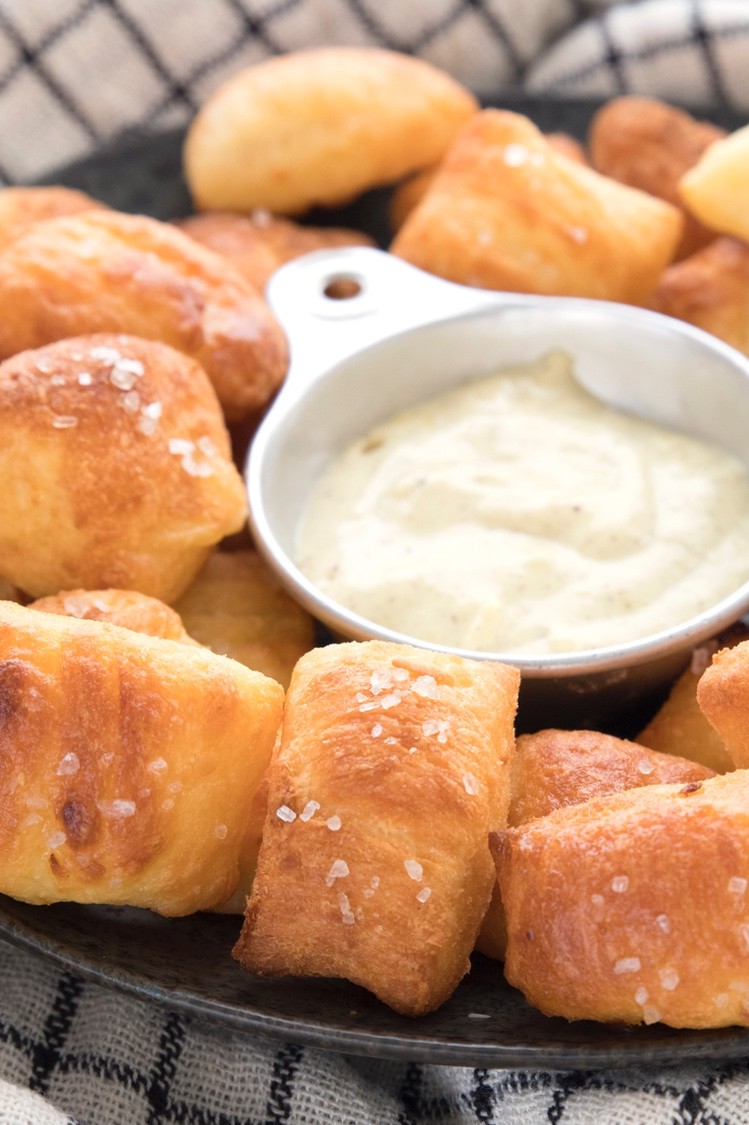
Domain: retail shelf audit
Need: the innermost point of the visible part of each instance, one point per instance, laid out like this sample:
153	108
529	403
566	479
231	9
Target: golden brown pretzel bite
103	271
318	127
633	908
723	695
506	210
552	769
128	764
710	290
21	207
237	607
374	865
115	465
650	145
258	243
126	608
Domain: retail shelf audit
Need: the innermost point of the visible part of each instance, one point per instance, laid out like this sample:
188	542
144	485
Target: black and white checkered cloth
75	74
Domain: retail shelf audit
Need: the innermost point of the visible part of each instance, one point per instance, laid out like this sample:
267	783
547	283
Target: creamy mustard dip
519	514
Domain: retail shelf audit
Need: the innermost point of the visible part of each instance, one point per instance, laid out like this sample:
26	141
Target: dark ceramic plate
186	963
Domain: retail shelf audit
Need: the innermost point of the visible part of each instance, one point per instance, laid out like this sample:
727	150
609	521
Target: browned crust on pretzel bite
650	145
633	908
116	468
258	243
128	764
109	272
506	210
374	866
318	127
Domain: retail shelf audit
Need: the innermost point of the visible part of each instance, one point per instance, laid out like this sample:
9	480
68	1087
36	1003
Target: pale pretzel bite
258	243
104	271
116	468
129	764
391	768
714	189
650	145
319	127
506	210
633	908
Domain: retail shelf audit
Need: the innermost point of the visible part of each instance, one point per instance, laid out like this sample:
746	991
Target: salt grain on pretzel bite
633	908
115	465
258	243
508	211
21	207
318	127
109	272
650	145
129	764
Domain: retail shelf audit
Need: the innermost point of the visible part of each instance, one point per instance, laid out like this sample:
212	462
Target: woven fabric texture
73	75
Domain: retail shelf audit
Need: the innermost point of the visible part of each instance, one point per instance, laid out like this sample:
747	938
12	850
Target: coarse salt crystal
400	674
56	839
156	765
167	804
117	808
347	914
470	784
371	705
309	810
339	869
283	812
663	922
122	379
619	884
669	978
642	995
69	765
85	378
645	767
180	446
131	402
737	886
391	700
379	680
627	965
333	823
425	686
146	425
413	869
651	1015
424	894
220	831
105	353
376	730
375	881
64	421
515	155
206	446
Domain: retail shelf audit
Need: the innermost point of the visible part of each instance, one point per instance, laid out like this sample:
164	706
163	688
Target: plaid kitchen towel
73	75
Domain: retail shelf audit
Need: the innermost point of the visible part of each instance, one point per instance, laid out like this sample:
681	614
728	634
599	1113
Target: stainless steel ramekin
406	335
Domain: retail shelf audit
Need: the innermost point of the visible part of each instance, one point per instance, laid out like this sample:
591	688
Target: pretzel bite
650	145
126	608
129	763
633	908
318	127
710	290
116	468
723	696
552	769
679	726
507	210
21	207
258	243
714	189
109	272
374	866
236	607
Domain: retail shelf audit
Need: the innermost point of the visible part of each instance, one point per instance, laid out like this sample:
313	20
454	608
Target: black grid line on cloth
501	32
170	1047
613	56
47	1051
34	57
703	40
257	26
643	54
281	1092
177	91
410	1093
